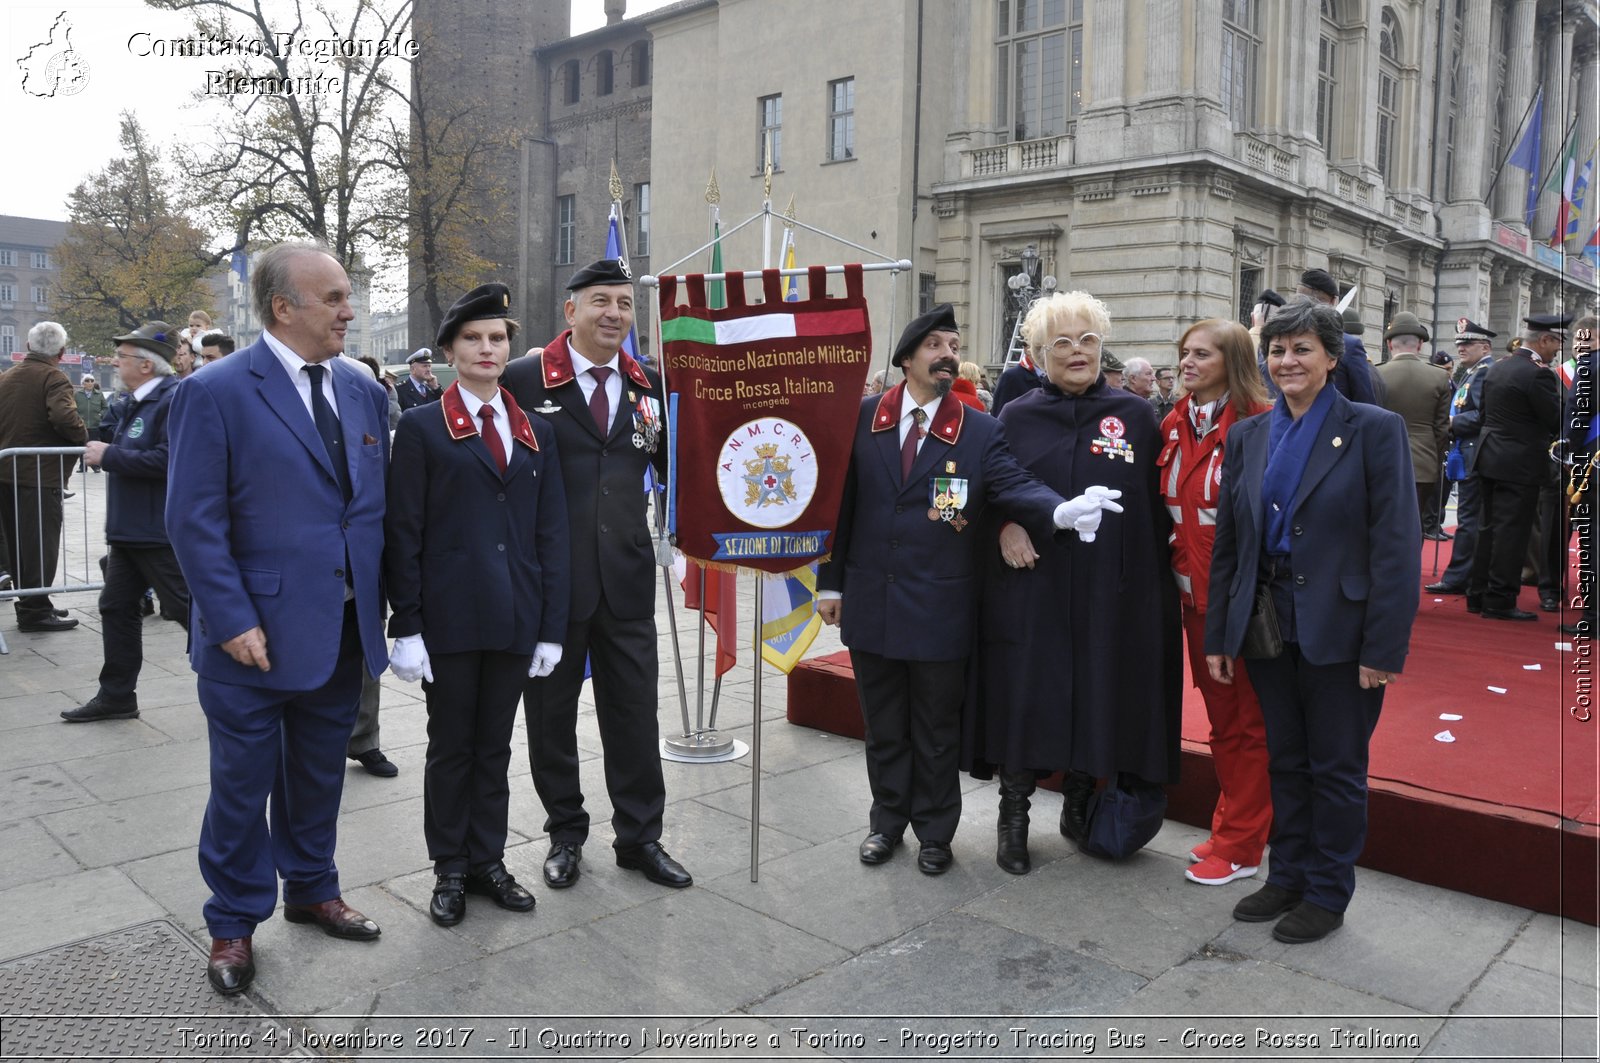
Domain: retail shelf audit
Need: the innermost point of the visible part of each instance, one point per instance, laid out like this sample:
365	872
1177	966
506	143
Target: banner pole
659	500
677	653
755	739
700	662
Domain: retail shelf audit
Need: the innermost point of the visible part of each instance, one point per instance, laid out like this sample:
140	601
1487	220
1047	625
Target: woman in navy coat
476	557
1318	505
1079	666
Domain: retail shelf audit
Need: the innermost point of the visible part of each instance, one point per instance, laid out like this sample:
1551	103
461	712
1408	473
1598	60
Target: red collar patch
461	424
947	419
556	362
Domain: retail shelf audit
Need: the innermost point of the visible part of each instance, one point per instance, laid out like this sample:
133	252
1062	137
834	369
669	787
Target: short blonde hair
971	371
1039	328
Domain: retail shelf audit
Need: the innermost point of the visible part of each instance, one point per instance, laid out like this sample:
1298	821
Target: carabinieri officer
477	561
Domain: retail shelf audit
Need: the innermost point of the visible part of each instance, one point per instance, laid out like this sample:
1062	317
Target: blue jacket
909	581
136	496
264	534
1466	411
476	559
1355	595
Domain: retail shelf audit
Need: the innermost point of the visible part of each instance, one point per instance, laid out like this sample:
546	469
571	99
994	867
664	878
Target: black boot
1011	847
1076	789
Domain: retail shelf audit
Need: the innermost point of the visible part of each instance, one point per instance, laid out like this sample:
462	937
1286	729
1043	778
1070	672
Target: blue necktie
328	428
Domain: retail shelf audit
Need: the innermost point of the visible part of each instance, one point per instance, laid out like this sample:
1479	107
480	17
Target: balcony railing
1022	156
1259	155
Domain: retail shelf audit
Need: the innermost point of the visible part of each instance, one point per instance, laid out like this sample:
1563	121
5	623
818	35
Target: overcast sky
55	142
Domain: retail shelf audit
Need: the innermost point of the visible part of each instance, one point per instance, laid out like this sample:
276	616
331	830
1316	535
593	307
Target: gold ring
1383	681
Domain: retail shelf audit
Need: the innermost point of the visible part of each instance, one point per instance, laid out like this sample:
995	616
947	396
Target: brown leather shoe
335	918
232	966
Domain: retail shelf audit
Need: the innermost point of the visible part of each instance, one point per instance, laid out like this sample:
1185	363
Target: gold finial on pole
616	183
766	170
713	193
788	213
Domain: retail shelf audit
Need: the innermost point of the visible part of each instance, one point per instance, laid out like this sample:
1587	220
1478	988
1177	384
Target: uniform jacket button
1300	580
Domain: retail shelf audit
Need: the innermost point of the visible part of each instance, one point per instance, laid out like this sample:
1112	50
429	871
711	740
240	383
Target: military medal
949	497
548	407
646	422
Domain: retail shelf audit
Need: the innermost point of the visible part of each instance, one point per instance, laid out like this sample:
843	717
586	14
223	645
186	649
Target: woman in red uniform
1221	387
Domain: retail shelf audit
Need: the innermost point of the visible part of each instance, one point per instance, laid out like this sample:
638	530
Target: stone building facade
1174	157
28	272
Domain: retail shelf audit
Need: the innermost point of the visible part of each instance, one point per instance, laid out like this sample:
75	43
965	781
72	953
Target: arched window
570	73
641	64
604	73
1389	45
1327	75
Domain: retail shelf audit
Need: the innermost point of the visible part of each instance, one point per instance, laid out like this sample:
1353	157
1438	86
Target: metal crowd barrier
81	542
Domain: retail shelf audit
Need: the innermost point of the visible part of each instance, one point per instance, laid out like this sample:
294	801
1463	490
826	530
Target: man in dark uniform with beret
607	411
1521	415
1475	354
903	579
420	387
1353	374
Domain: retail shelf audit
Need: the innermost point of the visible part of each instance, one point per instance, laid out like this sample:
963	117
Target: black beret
1322	281
605	271
1270	297
1467	331
1556	323
484	301
154	336
941	318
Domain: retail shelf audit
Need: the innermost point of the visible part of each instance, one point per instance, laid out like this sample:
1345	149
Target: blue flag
614	249
1525	156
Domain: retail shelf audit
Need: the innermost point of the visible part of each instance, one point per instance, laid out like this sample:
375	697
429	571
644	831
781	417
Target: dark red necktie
908	449
599	405
491	437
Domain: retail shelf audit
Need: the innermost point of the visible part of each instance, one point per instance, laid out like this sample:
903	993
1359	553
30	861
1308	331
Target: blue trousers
277	774
1468	513
1319	722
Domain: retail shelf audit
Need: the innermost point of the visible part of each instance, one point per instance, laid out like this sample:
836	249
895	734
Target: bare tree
298	150
130	255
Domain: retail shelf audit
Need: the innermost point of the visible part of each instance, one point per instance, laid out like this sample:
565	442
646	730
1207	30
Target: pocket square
367	441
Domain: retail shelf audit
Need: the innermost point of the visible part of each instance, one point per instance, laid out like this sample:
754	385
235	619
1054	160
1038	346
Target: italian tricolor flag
770	326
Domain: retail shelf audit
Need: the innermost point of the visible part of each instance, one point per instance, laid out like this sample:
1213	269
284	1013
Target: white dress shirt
580	369
295	366
907	420
502	421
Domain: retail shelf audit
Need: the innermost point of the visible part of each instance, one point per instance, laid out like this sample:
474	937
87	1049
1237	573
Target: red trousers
1243	817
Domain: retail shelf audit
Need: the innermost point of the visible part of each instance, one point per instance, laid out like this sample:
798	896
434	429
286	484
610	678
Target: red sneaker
1215	871
1201	851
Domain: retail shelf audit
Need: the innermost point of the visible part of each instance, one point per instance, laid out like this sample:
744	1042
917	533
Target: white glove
409	659
546	655
1082	514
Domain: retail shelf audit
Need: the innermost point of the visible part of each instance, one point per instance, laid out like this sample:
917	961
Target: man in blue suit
922	468
276	495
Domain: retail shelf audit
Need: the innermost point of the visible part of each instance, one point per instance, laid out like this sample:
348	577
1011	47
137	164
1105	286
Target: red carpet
1510	810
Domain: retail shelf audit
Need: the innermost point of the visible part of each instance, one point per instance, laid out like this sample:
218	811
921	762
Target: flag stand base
702	747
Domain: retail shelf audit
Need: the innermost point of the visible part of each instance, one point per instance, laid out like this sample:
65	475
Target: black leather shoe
49	622
449	904
232	966
657	866
98	708
1265	904
1444	588
1306	923
59	612
1549	603
878	848
1076	790
1509	614
1474	605
1579	627
496	883
377	764
934	858
336	918
1436	536
561	865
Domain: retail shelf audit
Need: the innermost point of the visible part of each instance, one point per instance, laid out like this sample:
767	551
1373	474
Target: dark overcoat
1521	416
1079	661
475	558
910	581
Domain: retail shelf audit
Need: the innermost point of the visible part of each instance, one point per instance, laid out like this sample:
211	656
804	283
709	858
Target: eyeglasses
1089	343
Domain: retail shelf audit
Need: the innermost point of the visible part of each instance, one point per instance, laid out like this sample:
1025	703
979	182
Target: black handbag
1123	818
1262	635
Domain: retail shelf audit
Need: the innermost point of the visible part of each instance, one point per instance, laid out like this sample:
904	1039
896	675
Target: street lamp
1023	293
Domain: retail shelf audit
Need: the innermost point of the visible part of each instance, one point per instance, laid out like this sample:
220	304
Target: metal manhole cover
135	992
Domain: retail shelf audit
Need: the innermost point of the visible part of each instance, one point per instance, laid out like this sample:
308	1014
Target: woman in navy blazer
1318	504
477	561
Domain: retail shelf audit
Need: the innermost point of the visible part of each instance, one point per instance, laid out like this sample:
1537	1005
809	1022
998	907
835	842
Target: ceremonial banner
766	398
